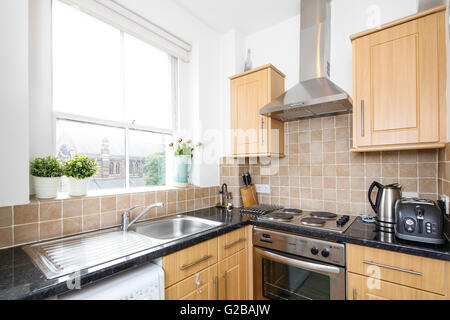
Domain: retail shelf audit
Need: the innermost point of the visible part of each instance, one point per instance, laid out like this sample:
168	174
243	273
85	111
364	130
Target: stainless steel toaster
419	220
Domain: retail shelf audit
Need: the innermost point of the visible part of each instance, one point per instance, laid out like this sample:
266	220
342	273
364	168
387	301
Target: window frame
126	126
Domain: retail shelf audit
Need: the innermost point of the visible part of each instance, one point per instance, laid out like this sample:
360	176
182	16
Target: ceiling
247	16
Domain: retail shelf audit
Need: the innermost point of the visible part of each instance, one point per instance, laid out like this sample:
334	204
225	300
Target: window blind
115	14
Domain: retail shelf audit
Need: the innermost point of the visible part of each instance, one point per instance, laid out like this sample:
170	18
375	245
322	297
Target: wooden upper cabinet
399	84
251	133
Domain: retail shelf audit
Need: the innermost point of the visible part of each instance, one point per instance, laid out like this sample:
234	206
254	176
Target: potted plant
184	152
79	170
46	173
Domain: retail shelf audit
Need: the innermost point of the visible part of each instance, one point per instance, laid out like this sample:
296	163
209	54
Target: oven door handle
299	263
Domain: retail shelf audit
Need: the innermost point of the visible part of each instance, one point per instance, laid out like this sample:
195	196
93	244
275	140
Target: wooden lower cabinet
201	286
365	288
233	277
204	276
410	271
376	274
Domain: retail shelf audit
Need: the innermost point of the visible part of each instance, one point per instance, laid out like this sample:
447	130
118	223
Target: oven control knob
325	253
315	251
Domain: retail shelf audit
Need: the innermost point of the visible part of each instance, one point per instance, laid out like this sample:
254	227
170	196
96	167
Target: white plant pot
78	187
46	188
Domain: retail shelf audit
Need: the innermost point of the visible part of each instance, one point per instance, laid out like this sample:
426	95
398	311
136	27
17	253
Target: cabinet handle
217	288
226	285
354	294
362	119
262	130
234	243
187	266
392	268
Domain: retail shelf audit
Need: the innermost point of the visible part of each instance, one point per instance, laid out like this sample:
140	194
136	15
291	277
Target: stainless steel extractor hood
316	95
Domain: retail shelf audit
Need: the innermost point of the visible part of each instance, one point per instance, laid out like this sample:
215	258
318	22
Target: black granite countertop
21	279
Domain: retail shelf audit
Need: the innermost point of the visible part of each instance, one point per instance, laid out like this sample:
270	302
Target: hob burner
279	216
313	222
324	215
292	211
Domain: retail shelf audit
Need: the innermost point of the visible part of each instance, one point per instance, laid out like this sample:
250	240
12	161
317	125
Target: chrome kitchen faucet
126	215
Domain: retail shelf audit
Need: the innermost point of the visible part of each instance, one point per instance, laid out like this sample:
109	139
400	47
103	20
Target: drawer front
232	243
365	288
408	270
189	289
182	264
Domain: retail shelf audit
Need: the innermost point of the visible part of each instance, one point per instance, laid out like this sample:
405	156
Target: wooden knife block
249	197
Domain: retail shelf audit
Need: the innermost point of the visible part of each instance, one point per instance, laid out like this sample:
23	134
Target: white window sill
113	192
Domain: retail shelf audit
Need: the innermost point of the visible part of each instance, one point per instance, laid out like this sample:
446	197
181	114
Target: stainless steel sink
174	227
61	257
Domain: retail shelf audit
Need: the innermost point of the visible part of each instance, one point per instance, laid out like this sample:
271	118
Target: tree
155	169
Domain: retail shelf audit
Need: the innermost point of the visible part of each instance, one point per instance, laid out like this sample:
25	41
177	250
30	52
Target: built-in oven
291	267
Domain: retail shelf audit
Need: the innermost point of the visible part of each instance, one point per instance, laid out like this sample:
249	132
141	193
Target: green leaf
49	167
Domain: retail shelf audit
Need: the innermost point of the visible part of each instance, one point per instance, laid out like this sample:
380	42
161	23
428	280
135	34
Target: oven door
286	277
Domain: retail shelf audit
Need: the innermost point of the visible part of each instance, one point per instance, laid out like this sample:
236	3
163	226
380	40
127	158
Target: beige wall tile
138	199
72	226
91	222
50	211
408	170
108	219
390	170
91	206
72	208
408	156
26	233
6	237
389	157
428	155
50	229
150	198
427	170
123	201
108	204
6	219
26	214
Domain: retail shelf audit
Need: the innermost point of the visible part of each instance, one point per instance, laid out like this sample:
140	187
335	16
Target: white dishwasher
142	283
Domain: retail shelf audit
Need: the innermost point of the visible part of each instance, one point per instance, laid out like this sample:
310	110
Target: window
114	100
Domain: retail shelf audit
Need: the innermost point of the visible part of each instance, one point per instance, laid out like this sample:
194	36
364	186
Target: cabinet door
248	94
233	277
200	286
365	288
397	81
182	264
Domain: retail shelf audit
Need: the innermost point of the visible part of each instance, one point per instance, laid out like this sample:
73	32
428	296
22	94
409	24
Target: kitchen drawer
187	289
365	288
232	243
408	270
182	264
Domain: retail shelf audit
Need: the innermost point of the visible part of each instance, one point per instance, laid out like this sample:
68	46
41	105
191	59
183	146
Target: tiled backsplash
47	219
444	171
320	173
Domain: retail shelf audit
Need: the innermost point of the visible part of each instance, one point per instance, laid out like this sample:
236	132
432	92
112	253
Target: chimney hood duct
316	95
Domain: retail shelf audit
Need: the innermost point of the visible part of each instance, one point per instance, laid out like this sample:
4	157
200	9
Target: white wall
14	183
280	46
40	78
231	62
